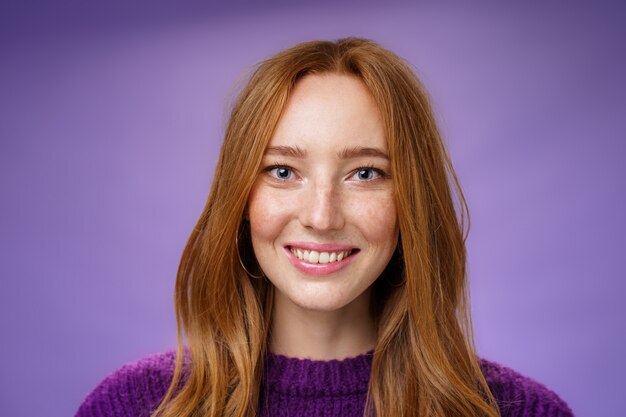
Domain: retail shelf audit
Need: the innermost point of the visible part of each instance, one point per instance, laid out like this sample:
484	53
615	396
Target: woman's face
322	214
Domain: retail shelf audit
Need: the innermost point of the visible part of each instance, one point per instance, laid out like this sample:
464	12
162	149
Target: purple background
111	117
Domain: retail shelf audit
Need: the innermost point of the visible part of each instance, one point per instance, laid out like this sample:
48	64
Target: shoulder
134	390
520	396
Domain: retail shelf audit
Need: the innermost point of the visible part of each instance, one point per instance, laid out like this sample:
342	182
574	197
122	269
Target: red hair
424	361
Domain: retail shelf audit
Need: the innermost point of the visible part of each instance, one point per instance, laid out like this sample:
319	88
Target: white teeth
324	258
315	257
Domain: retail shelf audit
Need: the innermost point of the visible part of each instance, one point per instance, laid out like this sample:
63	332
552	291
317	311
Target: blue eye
280	172
367	174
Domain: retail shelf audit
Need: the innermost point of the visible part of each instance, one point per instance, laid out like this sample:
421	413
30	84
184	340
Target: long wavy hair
424	361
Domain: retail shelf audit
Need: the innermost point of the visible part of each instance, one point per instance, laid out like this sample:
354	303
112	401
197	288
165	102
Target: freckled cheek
376	218
268	214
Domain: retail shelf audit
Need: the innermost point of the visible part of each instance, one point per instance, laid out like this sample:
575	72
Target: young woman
326	274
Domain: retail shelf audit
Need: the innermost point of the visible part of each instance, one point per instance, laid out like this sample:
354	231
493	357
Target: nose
322	209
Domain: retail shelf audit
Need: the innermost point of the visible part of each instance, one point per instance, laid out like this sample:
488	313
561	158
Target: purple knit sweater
300	387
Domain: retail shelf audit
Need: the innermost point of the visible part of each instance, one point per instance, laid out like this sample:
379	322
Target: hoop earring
243	266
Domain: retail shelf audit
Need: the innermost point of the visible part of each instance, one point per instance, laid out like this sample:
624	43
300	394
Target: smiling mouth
321	257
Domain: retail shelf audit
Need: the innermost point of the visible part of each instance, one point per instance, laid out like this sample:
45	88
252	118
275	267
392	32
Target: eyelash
380	172
276	166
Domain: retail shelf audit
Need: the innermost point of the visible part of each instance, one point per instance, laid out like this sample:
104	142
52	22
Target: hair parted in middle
424	361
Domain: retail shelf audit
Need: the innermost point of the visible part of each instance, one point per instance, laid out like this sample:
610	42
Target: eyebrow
345	153
359	151
292	151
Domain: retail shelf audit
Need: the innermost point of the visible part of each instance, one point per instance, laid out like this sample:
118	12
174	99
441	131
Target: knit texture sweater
301	387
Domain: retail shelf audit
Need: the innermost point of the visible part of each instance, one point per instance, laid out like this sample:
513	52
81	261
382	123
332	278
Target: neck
322	335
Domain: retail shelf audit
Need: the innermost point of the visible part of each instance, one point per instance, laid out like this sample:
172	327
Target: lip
320	247
320	269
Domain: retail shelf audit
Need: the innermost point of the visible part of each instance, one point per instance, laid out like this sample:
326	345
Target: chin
322	305
324	299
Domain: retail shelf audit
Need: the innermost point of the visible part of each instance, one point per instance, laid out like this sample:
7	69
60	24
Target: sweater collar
314	378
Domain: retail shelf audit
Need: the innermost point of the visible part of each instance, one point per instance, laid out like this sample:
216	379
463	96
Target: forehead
330	110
